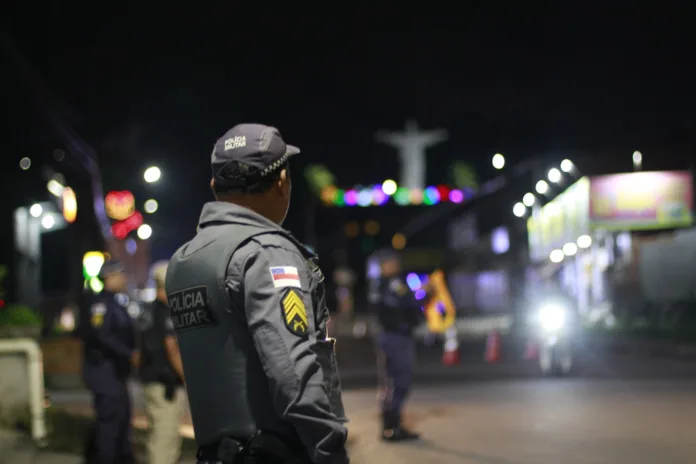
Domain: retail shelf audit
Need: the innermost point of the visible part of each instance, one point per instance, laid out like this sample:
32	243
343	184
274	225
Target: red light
2	303
444	191
120	230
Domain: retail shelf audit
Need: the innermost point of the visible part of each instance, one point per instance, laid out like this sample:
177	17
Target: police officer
162	375
109	343
248	305
398	314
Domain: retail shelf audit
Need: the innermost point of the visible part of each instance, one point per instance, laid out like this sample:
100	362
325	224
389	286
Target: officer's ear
284	183
212	187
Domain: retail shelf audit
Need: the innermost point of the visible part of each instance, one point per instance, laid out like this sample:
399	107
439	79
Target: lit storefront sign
560	221
642	201
617	202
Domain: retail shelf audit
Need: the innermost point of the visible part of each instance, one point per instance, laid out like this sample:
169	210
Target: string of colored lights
389	192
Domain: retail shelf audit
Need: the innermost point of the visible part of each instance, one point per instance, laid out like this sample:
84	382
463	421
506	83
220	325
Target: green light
401	197
431	196
339	198
96	285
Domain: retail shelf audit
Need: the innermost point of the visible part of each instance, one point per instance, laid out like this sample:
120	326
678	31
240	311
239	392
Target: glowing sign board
642	200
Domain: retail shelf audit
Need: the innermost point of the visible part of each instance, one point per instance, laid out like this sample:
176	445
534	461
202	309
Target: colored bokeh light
365	198
401	197
350	198
388	193
431	196
413	281
389	187
415	196
378	196
340	198
456	196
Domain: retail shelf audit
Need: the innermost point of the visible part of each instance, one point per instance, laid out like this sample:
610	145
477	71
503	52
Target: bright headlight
552	318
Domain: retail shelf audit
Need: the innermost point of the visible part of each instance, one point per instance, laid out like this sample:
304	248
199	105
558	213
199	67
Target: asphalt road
568	421
615	410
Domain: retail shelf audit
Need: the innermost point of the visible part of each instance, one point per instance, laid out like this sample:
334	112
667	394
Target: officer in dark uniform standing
248	305
109	343
398	314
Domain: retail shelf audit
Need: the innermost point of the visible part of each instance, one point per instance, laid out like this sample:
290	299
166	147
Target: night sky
158	86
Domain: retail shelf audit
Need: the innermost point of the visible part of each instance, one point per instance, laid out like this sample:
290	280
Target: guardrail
30	348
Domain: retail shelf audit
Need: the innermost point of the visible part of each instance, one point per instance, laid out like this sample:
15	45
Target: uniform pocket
326	355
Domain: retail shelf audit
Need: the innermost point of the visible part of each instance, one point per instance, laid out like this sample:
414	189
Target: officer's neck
256	203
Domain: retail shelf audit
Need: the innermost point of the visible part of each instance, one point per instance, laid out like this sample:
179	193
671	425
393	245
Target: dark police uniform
155	324
248	305
109	341
398	314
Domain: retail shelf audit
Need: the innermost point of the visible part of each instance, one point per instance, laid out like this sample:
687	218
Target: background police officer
398	314
162	374
109	343
248	305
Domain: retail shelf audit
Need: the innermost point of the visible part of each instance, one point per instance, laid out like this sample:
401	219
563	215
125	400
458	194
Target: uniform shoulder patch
98	311
294	313
189	309
285	276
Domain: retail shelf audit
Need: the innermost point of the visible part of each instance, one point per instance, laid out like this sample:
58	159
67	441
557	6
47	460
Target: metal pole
27	241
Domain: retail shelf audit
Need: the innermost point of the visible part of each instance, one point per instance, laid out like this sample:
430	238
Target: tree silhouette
463	175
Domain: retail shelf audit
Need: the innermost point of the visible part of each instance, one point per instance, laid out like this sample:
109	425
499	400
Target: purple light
378	196
413	281
420	294
456	196
350	197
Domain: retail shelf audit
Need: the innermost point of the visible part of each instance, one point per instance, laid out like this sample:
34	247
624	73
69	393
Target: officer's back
247	304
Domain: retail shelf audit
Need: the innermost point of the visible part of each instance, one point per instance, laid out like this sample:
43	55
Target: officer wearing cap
109	347
398	314
248	305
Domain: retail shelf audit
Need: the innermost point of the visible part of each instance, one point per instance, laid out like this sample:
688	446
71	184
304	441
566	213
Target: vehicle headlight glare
552	318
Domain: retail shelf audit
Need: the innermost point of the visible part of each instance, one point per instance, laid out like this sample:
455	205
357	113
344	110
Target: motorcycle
554	327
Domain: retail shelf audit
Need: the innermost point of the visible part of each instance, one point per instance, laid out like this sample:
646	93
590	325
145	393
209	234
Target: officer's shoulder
277	242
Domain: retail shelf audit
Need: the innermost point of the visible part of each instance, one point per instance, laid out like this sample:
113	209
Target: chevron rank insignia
294	313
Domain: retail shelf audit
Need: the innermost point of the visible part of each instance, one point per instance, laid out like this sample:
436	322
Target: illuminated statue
411	144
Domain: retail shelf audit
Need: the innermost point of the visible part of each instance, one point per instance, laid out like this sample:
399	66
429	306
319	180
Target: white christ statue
412	144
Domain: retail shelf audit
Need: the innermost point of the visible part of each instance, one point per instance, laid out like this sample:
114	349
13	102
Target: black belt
262	448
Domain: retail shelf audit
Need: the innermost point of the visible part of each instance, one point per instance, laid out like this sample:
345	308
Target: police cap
259	149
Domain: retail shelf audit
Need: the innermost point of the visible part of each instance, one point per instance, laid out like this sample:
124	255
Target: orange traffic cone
450	355
493	342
